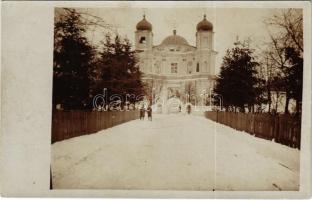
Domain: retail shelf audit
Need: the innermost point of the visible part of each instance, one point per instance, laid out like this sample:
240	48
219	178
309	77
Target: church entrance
174	105
170	98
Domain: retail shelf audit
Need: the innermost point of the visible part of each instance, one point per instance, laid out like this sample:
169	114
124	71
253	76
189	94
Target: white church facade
175	69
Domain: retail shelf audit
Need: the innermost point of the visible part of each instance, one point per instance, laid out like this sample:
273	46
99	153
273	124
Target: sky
229	23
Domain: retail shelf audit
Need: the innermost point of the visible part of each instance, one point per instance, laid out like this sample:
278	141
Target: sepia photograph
192	99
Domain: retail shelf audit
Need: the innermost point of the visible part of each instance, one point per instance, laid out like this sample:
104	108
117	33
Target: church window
157	67
174	68
197	67
142	40
189	67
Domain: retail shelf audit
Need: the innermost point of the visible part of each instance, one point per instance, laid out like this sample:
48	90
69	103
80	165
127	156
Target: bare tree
190	91
289	24
286	31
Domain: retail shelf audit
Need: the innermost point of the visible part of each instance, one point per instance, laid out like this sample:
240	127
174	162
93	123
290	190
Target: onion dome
174	40
144	25
204	25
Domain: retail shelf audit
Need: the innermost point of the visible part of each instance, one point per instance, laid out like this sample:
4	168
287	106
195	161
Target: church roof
144	25
174	40
204	25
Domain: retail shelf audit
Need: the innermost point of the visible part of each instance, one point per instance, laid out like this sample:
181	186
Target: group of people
148	110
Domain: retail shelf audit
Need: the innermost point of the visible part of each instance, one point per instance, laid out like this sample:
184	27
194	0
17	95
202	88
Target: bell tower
205	47
204	35
143	35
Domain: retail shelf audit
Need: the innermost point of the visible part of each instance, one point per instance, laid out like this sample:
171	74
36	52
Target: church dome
174	40
204	25
144	25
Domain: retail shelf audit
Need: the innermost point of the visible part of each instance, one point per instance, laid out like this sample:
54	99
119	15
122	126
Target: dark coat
142	112
149	111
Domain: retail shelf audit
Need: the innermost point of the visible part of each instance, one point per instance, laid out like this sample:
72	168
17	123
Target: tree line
81	70
247	81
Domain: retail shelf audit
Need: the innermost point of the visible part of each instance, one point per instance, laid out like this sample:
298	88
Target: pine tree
294	76
237	83
117	70
73	56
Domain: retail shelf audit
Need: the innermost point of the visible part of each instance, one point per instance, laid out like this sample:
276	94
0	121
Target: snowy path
176	152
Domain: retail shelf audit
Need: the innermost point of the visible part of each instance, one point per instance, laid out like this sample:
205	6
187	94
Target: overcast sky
228	24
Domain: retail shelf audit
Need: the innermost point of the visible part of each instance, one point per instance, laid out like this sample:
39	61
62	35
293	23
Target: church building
174	69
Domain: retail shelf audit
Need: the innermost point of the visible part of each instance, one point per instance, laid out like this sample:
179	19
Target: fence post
253	124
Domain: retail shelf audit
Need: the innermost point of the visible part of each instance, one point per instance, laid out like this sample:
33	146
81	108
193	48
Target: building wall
159	62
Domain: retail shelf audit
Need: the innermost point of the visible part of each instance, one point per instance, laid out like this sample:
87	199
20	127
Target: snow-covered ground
176	152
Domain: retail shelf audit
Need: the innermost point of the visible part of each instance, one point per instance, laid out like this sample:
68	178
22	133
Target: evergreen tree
117	70
73	57
237	83
294	76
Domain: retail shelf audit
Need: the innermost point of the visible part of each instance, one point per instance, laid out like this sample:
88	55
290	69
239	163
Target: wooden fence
284	129
68	124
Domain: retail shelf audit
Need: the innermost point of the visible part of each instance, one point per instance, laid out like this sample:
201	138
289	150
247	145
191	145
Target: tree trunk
287	103
297	106
276	101
269	99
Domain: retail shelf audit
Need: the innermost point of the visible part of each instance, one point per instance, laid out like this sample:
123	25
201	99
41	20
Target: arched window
157	67
205	41
197	67
174	68
206	66
189	67
143	40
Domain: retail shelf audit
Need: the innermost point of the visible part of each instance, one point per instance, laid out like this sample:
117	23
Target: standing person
142	113
149	112
188	108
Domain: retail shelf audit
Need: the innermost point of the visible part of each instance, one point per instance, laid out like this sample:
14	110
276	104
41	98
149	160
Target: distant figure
188	108
142	113
149	112
179	108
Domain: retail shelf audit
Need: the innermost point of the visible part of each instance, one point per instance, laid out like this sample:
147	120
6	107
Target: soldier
188	109
142	113
149	112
